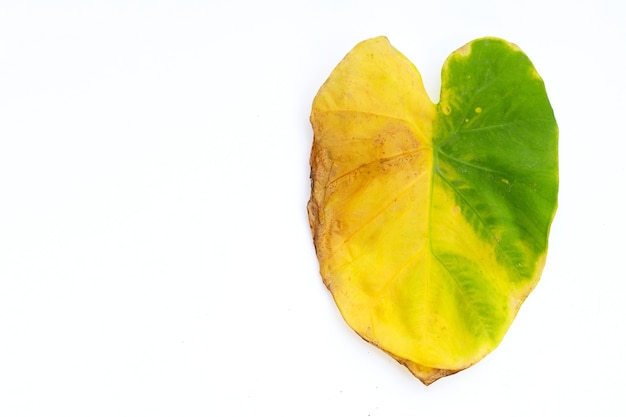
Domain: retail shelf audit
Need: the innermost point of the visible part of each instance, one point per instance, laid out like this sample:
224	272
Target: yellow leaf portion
372	176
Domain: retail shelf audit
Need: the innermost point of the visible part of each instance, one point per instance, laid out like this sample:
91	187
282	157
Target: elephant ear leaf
431	221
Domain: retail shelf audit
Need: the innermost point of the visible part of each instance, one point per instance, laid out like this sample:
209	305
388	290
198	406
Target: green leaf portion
495	147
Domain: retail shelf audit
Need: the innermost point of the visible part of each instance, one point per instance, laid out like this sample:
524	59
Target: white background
155	256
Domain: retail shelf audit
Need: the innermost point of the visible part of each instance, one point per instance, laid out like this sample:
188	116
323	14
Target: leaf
431	222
